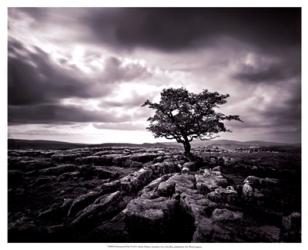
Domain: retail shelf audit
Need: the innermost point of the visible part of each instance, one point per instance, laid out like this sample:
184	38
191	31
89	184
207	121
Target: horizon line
158	142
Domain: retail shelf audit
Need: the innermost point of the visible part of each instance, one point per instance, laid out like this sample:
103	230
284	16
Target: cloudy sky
81	74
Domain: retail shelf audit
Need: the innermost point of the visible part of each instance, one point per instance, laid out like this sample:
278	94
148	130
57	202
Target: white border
139	3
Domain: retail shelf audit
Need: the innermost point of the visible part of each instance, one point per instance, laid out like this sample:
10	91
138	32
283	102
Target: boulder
223	195
106	152
258	182
253	180
144	157
217	168
159	159
58	170
209	231
185	170
110	187
97	212
56	211
109	159
270	181
192	166
196	205
121	160
43	180
92	159
149	220
64	157
150	191
81	202
103	173
162	168
212	160
57	233
131	164
103	160
183	183
292	221
182	187
291	227
247	190
269	233
27	164
69	176
265	233
226	215
209	182
205	172
110	231
166	189
86	171
136	180
259	190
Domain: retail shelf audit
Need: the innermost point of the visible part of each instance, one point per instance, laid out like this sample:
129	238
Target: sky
82	74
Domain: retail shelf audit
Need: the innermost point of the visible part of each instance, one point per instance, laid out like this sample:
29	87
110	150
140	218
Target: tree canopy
185	116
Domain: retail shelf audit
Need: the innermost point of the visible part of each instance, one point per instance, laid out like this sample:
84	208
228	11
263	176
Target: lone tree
184	116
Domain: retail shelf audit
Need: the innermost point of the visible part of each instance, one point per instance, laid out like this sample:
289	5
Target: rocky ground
136	194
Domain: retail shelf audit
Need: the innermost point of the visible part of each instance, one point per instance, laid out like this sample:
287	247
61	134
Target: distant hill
41	144
241	144
45	144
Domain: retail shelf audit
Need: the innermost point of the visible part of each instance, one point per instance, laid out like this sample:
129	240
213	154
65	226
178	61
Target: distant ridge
244	144
41	144
46	144
233	142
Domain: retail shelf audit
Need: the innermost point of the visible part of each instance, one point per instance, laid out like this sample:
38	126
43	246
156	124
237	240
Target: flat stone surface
139	194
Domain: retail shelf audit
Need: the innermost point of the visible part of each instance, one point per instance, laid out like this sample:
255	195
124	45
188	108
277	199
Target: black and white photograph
154	125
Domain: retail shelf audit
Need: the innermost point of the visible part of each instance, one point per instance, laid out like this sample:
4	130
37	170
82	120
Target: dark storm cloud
205	44
115	71
59	114
182	28
278	114
172	29
288	115
34	78
269	73
36	86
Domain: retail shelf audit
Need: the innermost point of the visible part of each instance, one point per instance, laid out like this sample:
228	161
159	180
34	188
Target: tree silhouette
184	116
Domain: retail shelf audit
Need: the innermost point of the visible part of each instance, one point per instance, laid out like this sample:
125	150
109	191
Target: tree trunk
187	148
